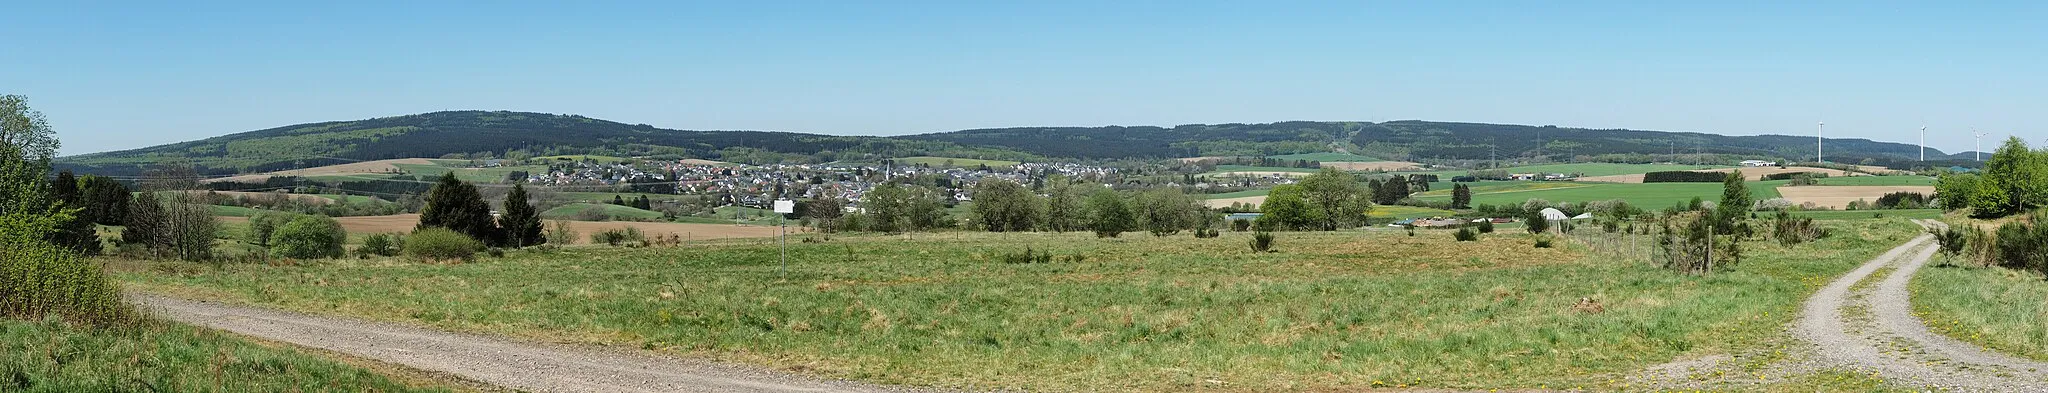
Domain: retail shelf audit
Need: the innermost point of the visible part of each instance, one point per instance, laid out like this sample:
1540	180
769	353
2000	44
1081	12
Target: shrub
1535	223
1774	204
1486	226
1207	233
628	236
379	244
1543	242
1466	235
559	232
308	237
1262	242
44	279
1240	225
441	244
1902	200
495	252
1794	230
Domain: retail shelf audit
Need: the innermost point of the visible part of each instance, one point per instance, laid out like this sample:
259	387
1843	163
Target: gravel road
495	361
1872	329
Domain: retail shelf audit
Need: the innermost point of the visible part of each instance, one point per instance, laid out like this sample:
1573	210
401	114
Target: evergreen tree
80	234
106	200
1735	203
1461	197
456	205
616	200
643	203
521	220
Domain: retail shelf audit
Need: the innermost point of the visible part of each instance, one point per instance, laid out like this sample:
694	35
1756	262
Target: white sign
785	206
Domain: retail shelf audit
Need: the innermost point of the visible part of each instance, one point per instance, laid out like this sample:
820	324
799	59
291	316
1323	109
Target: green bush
1486	226
441	244
1466	235
1240	225
379	244
42	279
1543	242
1028	256
308	237
1262	242
628	236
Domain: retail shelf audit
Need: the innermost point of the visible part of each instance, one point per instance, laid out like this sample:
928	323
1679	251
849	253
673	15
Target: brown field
1840	196
1628	178
1389	166
1226	202
1878	170
406	222
1758	173
379	166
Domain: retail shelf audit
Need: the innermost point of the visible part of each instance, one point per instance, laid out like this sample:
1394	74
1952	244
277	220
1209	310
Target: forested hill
470	132
440	133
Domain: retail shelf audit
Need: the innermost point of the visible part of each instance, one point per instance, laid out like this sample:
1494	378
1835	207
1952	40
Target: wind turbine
1980	145
1923	144
1816	142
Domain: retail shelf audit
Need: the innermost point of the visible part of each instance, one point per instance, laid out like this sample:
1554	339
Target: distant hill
439	134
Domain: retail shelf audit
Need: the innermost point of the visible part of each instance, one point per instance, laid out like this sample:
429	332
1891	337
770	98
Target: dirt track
500	362
1864	324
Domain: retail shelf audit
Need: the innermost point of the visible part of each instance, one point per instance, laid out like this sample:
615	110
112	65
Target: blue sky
117	75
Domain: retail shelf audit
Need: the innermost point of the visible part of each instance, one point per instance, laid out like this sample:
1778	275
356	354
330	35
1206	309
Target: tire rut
490	360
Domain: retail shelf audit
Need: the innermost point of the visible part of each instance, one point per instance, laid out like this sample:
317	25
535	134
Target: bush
308	237
559	232
379	244
628	236
1486	226
1685	177
1262	242
1535	223
1240	225
1790	175
441	244
1790	230
1466	235
43	279
495	252
1543	242
1902	200
1207	233
1028	256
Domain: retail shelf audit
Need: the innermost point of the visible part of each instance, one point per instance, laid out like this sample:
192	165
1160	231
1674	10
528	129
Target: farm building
1758	163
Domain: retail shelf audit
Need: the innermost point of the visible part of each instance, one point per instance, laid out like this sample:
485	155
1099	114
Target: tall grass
1337	311
55	356
38	279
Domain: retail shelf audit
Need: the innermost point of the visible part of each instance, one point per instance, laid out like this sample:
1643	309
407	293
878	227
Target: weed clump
1794	230
1466	235
1543	242
379	244
1262	242
1030	256
629	236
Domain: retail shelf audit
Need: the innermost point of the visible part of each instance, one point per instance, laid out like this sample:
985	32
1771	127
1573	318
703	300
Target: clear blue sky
117	75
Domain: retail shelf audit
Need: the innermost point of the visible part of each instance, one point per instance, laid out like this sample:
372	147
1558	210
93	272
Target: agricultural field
953	162
1645	195
1326	157
616	212
1876	181
473	175
1397	211
580	157
54	356
1588	169
1867	214
233	227
1329	311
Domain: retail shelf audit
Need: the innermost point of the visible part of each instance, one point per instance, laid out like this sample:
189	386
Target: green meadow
1342	310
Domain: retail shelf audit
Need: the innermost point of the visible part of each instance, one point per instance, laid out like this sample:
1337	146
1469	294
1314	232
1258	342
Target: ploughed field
1334	310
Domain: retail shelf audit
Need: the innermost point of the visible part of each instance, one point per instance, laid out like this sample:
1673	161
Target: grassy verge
1998	308
53	356
1341	310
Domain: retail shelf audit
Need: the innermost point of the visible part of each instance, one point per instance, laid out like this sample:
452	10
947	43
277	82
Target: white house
1758	163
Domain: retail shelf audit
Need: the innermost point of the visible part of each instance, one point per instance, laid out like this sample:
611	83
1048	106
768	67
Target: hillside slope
470	132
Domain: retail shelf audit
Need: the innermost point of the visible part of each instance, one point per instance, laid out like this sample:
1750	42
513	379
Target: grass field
1589	169
1237	194
1326	157
616	212
2001	309
943	162
602	197
1877	181
1867	214
1398	211
51	356
1645	195
474	175
233	211
1329	311
581	157
1249	168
